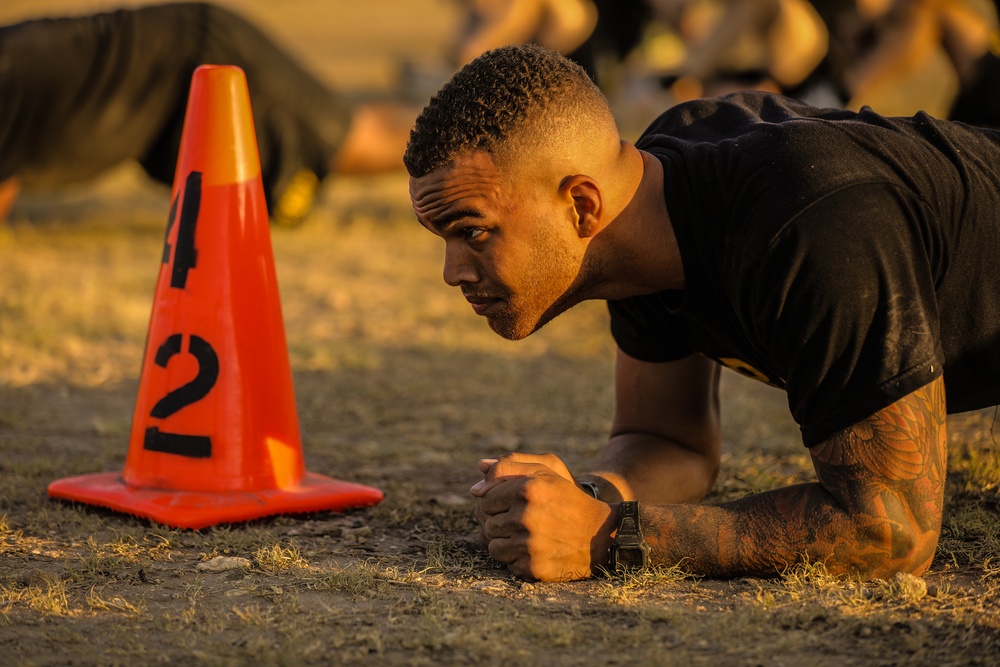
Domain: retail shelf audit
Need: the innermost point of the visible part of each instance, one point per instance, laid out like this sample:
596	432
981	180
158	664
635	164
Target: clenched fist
534	518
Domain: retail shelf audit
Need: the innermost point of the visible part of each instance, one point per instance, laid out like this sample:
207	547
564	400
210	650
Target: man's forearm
759	535
876	509
767	532
651	469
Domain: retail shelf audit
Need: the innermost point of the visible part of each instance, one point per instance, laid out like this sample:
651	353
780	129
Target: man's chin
508	329
514	328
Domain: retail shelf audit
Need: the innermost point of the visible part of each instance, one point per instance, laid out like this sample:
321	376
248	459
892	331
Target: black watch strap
629	551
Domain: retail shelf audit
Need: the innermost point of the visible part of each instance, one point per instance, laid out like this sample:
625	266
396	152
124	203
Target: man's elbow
919	552
704	465
709	467
700	474
901	548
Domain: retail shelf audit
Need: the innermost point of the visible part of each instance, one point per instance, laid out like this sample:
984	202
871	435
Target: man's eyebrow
442	222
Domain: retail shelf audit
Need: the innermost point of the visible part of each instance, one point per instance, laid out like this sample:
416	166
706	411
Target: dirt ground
398	386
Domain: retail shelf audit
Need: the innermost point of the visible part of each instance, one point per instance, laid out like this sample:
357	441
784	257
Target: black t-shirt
846	257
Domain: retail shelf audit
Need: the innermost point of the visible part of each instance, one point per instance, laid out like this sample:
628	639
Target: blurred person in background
902	56
582	30
730	45
80	95
897	56
560	25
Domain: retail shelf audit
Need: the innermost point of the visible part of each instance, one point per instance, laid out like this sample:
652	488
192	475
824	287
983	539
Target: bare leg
375	140
560	25
500	22
568	24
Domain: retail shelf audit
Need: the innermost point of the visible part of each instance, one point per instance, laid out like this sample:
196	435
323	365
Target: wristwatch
629	551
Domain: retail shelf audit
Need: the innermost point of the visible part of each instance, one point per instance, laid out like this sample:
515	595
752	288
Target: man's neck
642	251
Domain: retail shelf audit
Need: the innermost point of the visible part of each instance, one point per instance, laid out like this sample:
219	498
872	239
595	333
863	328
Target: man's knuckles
521	457
550	461
508	468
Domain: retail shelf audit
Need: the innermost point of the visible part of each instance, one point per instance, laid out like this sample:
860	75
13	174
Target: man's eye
474	233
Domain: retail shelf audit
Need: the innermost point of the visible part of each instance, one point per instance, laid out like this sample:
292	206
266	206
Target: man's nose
459	266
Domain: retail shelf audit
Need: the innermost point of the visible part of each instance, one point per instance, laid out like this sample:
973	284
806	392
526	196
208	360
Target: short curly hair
490	99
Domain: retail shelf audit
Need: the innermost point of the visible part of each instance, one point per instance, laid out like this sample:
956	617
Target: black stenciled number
196	389
185	255
166	235
198	446
185	258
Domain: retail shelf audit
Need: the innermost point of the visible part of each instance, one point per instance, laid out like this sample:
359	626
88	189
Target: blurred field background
399	386
351	45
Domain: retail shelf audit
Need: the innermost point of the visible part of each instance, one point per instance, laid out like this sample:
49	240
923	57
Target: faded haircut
494	97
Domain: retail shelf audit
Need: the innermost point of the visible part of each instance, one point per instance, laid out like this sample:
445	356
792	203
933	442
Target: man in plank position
845	257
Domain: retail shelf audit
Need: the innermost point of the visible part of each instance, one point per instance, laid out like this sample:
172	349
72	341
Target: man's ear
588	203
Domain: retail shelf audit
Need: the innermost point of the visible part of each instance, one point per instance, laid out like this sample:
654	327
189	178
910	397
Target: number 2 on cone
185	258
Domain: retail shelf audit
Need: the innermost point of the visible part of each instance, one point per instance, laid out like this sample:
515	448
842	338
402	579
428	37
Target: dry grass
399	387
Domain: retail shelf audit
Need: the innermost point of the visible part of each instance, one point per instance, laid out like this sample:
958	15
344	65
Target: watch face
630	558
629	551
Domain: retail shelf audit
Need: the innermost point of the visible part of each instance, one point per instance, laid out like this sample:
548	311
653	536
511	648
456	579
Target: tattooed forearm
876	509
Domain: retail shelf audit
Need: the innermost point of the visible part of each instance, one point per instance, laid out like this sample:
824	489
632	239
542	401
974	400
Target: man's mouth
481	303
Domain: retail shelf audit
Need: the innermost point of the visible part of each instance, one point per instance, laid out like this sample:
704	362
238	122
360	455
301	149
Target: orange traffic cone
215	434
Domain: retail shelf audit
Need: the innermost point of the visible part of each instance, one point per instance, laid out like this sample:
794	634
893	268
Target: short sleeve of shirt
845	304
839	305
646	336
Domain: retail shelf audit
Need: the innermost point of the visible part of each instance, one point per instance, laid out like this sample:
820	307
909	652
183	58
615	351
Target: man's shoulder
758	141
742	166
717	119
